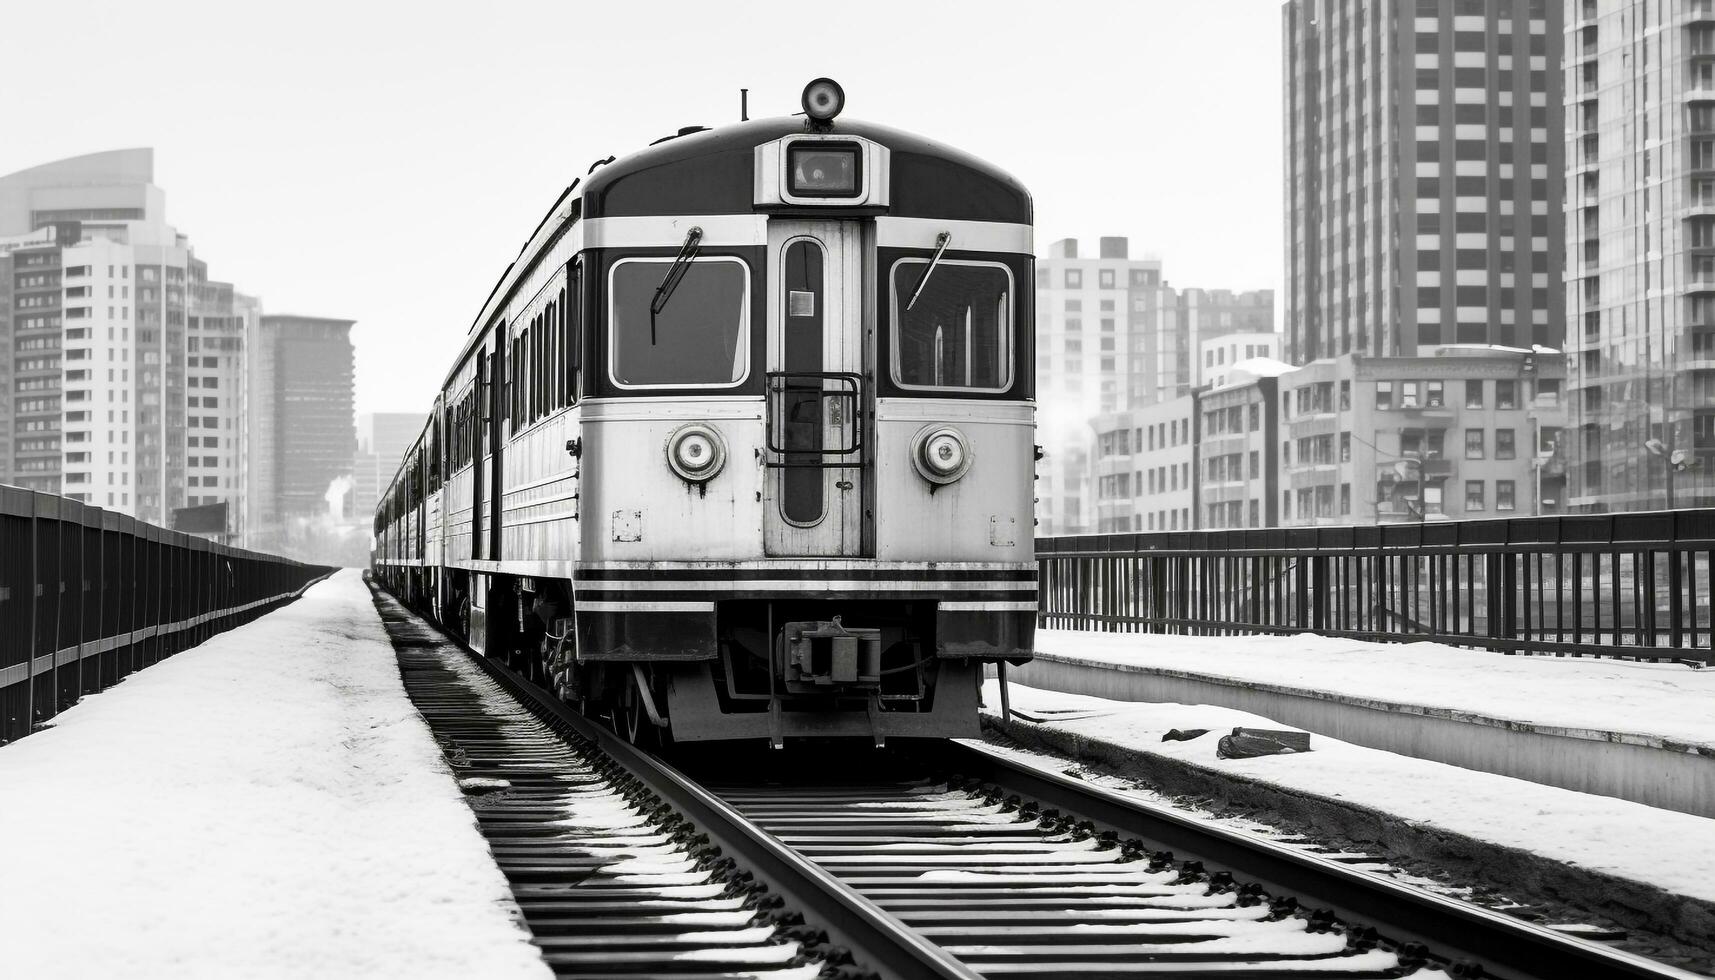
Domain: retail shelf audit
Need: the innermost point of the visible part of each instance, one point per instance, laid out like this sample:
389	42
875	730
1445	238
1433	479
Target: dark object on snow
1250	743
1175	735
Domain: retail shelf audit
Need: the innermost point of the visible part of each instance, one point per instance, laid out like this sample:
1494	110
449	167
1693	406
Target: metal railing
1629	585
88	596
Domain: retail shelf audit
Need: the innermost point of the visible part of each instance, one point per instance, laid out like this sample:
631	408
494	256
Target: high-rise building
1640	243
1112	335
301	395
1423	175
109	324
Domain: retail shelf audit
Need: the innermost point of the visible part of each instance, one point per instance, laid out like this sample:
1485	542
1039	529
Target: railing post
1319	587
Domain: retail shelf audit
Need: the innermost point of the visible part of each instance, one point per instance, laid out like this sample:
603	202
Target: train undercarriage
781	666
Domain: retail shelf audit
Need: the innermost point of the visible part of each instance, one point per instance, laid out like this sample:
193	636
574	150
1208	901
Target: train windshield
957	336
700	338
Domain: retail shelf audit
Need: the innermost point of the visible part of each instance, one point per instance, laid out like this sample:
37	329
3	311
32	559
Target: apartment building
1424	175
105	387
1143	468
1219	358
1113	335
1238	464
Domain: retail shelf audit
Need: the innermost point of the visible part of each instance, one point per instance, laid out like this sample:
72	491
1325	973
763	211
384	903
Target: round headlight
823	99
941	454
696	452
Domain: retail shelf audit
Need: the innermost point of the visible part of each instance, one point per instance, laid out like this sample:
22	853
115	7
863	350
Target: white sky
383	162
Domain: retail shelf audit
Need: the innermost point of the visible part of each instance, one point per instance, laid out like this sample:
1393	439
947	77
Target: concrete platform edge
1665	774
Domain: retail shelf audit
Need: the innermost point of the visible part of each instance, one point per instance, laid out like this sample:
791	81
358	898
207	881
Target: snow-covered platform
1643	732
268	804
1654	866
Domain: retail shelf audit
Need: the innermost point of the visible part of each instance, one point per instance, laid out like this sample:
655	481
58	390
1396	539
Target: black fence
1630	585
88	596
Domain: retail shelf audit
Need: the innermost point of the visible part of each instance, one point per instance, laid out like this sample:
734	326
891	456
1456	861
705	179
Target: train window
568	334
958	334
700	338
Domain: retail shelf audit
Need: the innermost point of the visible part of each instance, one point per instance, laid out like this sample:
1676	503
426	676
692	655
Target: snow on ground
1669	701
1671	850
268	804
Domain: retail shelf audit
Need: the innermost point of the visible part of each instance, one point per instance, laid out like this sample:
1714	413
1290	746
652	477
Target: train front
808	464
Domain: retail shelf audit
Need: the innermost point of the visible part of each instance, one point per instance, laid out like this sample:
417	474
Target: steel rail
876	939
1503	946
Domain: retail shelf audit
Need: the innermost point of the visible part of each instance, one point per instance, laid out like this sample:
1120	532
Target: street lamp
1415	458
1676	460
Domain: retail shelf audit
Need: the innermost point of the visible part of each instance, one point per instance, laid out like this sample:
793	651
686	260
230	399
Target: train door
478	437
816	490
494	413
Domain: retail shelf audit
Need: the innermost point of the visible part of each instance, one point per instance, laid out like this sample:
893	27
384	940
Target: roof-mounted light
823	100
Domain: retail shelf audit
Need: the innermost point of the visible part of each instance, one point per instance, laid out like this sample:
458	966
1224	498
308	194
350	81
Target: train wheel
633	718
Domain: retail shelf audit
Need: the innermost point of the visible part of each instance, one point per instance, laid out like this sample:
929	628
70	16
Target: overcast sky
384	162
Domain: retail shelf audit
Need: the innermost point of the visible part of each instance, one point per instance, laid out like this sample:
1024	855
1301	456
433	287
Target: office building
1424	174
301	396
1640	244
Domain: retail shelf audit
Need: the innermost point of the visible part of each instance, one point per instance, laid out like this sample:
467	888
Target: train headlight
823	99
824	169
696	452
941	454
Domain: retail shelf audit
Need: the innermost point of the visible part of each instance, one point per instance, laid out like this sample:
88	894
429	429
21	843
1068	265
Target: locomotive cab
797	437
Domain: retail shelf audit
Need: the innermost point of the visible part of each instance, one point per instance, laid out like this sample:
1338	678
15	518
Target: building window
1433	394
1506	394
1255	417
1105	278
1074	279
1506	493
1345	499
1504	447
1255	464
1474	496
1384	395
1345	395
1474	394
1408	394
1474	444
1345	447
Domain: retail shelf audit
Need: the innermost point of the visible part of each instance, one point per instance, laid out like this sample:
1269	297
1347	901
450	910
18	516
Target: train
741	445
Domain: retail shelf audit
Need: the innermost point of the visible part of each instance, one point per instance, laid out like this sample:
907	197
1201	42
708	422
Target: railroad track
946	860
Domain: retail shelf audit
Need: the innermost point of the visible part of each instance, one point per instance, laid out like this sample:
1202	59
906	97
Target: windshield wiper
941	242
675	275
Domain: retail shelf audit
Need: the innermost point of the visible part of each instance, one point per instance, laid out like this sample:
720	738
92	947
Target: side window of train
698	336
957	335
